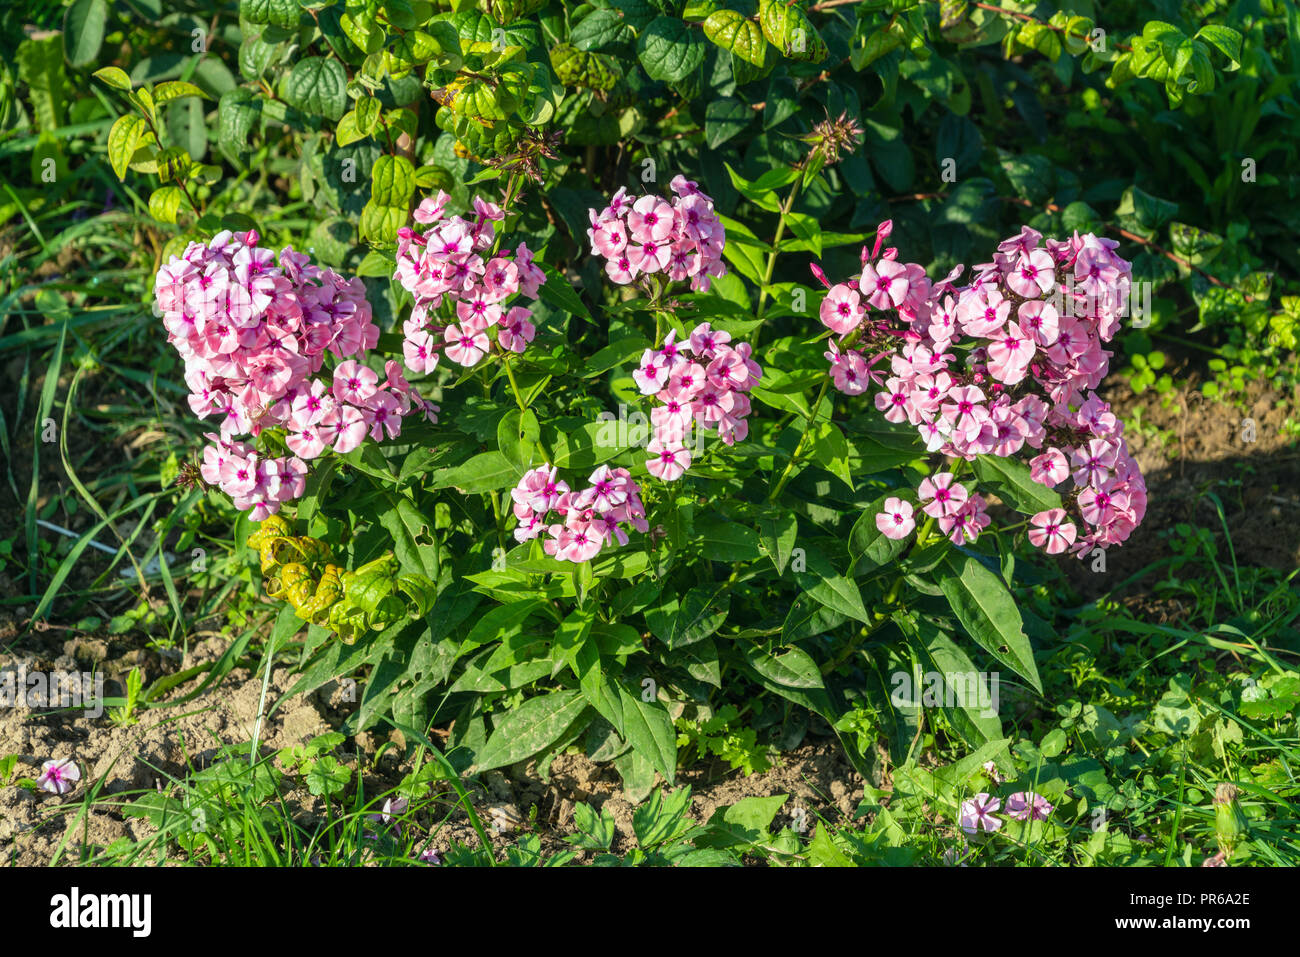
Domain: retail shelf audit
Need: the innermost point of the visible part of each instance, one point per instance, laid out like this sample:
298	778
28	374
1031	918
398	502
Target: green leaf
530	728
971	692
669	50
777	534
733	31
1010	479
580	68
175	90
123	140
115	77
869	547
500	623
649	729
985	608
348	131
517	436
746	822
327	776
164	203
558	292
237	113
727	541
836	592
724	118
806	228
600	28
700	613
413	538
482	473
83	31
279	13
318	86
793	667
831	452
392	182
1224	39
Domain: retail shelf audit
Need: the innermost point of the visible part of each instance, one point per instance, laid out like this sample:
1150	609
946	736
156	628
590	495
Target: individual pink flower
842	310
667	461
942	495
1033	275
895	521
977	813
516	330
884	284
1052	532
1009	355
59	776
466	344
354	382
1050	468
651	219
1026	805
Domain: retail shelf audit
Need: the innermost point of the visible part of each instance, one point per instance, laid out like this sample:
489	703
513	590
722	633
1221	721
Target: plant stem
776	240
523	406
803	439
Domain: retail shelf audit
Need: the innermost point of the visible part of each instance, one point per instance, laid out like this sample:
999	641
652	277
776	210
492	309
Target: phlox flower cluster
577	524
1004	366
649	236
451	261
701	382
253	332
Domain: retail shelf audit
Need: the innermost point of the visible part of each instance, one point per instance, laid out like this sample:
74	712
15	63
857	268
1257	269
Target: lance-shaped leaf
988	612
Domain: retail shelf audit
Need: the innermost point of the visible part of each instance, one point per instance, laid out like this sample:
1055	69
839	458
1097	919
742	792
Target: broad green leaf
733	31
115	77
175	90
237	115
777	533
83	31
1011	481
318	86
499	623
392	182
1224	39
724	118
413	537
530	728
988	612
669	50
792	667
835	592
869	547
600	28
975	709
279	13
482	473
517	437
164	203
699	614
123	140
649	730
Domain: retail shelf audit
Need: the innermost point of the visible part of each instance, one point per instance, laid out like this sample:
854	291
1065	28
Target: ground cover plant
652	393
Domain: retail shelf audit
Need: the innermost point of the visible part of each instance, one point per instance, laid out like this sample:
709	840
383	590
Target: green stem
776	241
853	645
803	439
523	406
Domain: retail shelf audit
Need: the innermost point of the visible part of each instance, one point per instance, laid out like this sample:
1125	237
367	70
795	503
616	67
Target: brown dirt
1200	449
168	741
